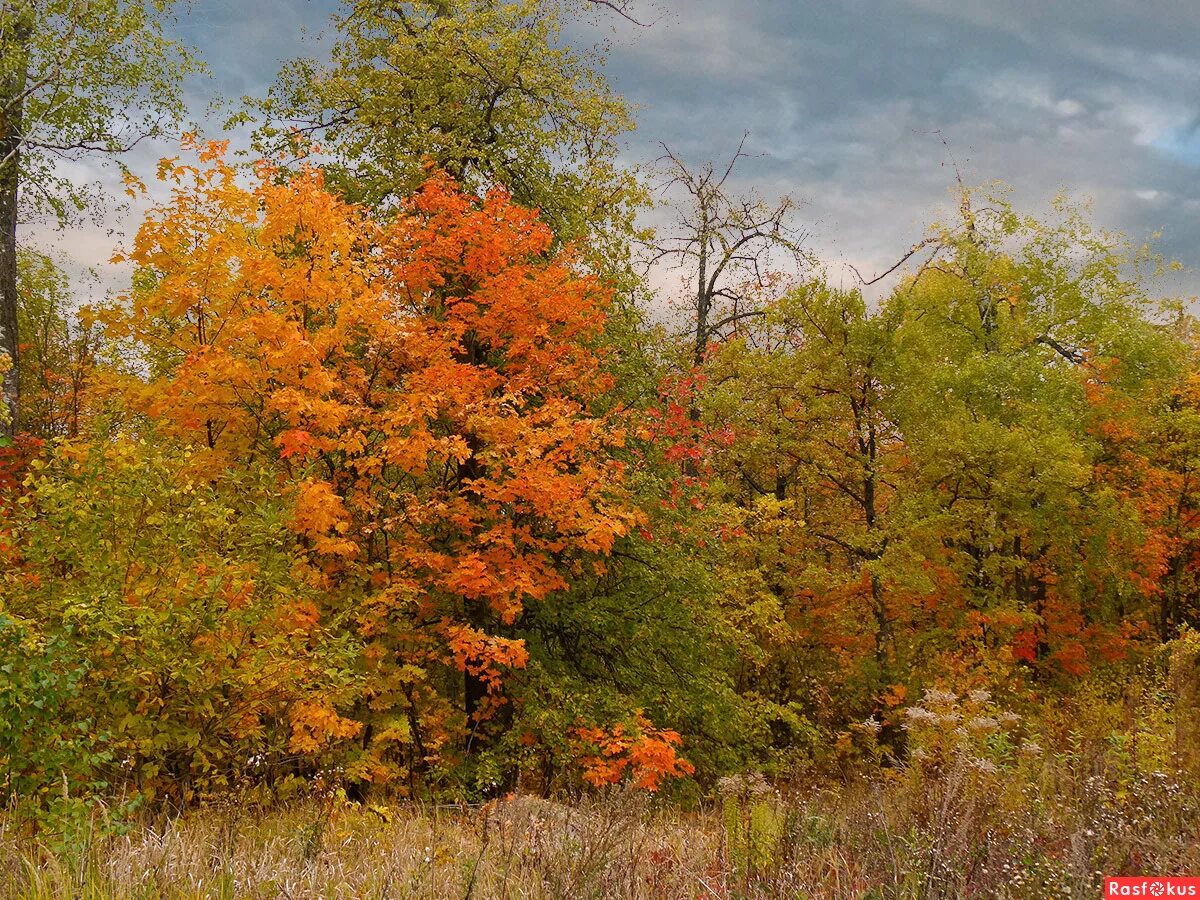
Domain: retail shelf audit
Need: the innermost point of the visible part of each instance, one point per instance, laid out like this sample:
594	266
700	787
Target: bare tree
623	8
732	248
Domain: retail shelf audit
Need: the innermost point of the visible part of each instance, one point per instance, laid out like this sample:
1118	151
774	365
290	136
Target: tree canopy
377	478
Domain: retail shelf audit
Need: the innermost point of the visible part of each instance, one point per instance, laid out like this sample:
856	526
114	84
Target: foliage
373	481
5	413
50	751
946	486
1053	824
79	78
648	755
486	91
58	351
434	420
129	577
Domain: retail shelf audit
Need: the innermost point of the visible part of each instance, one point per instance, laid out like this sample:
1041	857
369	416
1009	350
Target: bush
163	634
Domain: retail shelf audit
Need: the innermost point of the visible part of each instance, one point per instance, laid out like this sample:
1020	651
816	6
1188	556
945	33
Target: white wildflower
915	714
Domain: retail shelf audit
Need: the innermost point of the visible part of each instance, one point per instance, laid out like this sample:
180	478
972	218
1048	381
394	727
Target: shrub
165	635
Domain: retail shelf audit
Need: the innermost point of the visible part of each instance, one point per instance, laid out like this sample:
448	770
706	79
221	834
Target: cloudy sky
844	101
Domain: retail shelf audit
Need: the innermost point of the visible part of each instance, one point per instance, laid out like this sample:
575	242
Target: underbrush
953	830
965	798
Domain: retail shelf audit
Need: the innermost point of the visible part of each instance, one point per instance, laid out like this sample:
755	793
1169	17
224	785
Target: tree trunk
703	298
8	286
11	109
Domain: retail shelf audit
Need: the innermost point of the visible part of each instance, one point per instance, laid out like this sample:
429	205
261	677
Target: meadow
970	817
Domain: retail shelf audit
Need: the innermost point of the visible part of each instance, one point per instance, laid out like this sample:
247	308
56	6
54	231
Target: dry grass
522	847
941	835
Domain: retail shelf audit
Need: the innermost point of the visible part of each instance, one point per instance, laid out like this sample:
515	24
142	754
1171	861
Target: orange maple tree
427	387
647	754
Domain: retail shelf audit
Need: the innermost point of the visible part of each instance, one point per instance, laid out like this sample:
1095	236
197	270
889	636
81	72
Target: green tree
986	476
77	77
809	478
58	350
1020	346
485	90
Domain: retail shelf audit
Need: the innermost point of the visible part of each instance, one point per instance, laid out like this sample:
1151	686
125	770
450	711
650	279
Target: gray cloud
1101	99
842	99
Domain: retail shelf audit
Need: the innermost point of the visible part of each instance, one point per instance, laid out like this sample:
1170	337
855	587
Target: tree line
386	471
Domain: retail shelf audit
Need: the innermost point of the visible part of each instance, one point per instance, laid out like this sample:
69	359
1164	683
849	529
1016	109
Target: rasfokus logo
1138	886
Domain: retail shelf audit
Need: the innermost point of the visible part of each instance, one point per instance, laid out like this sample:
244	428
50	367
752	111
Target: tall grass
942	831
970	800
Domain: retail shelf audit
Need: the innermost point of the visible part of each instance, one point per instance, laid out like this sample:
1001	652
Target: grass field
959	833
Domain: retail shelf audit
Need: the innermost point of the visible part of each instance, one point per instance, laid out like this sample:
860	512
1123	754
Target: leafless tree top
733	247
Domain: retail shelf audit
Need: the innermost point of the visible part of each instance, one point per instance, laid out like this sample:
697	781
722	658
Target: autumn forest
440	481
